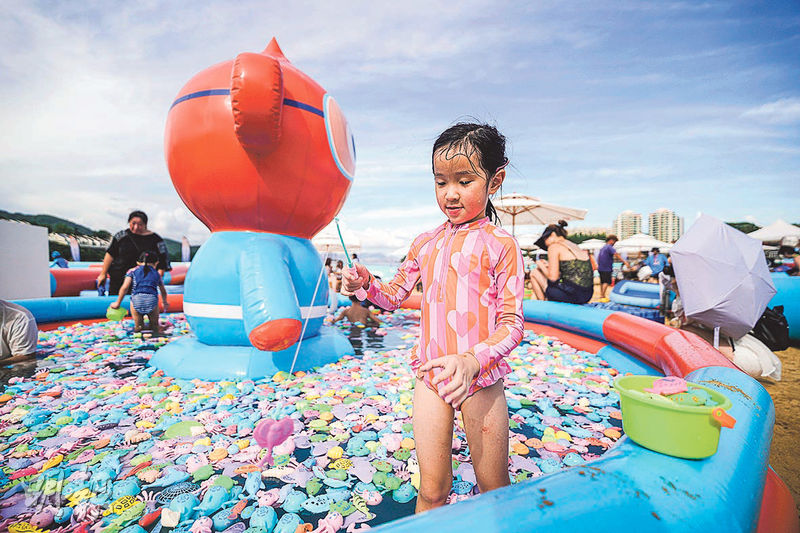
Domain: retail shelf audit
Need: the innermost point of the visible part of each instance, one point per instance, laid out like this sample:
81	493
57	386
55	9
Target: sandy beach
786	395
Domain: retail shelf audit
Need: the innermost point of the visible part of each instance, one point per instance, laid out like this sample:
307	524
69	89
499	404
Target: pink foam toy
269	433
668	385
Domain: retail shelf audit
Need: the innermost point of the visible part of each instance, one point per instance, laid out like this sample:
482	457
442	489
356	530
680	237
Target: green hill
53	224
61	225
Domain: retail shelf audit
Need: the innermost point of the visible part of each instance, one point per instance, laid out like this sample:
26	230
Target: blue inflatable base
189	358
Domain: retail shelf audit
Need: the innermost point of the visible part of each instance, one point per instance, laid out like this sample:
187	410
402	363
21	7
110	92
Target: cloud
782	111
607	107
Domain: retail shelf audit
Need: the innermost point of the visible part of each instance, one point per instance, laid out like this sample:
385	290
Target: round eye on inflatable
340	139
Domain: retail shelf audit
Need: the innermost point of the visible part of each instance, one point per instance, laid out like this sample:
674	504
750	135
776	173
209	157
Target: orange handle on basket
724	419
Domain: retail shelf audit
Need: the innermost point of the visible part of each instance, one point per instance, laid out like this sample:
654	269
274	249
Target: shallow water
356	412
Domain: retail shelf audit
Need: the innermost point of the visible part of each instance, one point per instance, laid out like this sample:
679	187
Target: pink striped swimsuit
472	286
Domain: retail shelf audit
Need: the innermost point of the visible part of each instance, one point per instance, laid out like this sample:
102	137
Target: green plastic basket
652	421
116	314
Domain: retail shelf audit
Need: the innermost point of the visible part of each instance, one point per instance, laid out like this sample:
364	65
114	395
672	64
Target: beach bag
772	329
755	359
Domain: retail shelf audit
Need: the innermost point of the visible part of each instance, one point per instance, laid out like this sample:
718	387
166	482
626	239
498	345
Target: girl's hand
359	281
114	305
164	306
460	369
101	279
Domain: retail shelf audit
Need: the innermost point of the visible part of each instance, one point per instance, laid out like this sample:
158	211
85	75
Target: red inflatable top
255	144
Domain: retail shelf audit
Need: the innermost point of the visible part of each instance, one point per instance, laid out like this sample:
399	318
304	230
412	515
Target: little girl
471	313
144	297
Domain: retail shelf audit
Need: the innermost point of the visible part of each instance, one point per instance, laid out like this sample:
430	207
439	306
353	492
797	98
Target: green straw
341	239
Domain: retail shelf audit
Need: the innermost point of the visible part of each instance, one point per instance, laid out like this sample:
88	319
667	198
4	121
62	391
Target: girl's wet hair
467	138
148	258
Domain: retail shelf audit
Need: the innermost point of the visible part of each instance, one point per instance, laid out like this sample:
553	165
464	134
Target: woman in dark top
125	248
568	274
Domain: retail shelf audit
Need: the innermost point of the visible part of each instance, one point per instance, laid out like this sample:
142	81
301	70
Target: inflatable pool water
636	293
789	297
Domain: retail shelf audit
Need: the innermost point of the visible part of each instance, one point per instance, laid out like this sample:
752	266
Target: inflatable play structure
255	296
636	293
72	281
788	296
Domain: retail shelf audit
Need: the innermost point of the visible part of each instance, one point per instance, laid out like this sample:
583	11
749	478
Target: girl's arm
592	261
163	295
390	295
553	271
122	292
509	321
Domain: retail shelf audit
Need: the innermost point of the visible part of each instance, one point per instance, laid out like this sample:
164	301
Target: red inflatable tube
71	281
778	511
676	352
578	342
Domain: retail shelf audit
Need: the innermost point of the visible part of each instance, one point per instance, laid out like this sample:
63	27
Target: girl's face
461	188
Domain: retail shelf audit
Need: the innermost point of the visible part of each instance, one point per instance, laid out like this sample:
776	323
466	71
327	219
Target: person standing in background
605	263
126	247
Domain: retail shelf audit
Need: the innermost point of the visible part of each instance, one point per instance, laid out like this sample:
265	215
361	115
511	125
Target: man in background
605	263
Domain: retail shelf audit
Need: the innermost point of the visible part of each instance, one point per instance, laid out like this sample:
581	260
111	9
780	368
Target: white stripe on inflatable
314	312
213	310
234	312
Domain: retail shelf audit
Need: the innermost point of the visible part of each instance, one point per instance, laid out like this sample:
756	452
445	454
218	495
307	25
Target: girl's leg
433	432
138	320
485	415
153	316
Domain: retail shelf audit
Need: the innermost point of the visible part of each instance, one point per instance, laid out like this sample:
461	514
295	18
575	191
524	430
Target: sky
607	106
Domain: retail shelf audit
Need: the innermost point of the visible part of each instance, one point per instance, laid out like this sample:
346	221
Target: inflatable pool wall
288	159
788	296
636	293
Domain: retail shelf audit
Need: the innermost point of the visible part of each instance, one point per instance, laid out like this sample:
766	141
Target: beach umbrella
775	232
592	245
641	242
722	276
519	209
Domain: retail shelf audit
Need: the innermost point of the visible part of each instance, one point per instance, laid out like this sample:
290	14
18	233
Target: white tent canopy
526	241
642	242
775	232
592	245
328	241
521	210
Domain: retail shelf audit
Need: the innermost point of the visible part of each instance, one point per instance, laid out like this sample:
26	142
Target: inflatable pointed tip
273	49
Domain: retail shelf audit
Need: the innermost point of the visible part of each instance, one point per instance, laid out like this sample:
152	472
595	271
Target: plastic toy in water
690	431
287	157
269	433
116	314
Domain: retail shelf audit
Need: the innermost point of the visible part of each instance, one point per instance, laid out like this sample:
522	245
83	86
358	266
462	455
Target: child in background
144	297
357	313
471	313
